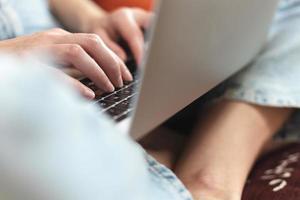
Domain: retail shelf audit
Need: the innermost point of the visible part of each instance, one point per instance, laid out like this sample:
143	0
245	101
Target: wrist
88	22
78	15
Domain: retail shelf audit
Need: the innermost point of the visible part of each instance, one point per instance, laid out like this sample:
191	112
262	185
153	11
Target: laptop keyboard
118	104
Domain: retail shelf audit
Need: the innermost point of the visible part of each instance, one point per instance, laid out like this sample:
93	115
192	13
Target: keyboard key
105	104
122	117
114	98
85	81
129	90
114	111
126	104
125	92
117	104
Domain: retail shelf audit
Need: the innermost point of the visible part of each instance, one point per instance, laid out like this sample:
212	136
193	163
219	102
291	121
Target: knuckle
47	34
94	39
126	11
138	10
73	50
52	34
58	30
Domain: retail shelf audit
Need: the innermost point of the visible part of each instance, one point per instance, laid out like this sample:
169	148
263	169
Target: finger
142	17
84	90
112	45
126	74
96	48
73	72
73	54
133	35
58	31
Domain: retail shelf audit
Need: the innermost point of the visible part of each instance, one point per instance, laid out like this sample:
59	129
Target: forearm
226	144
76	15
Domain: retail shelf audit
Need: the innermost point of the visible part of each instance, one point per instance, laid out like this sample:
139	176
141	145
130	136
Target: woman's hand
84	52
86	16
125	23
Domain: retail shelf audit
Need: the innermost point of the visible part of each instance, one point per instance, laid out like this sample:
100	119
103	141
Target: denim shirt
56	145
24	17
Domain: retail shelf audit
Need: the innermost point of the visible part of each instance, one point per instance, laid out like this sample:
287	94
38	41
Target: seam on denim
168	176
256	97
10	24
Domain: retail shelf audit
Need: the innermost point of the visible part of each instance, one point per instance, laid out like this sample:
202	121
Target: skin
206	165
126	23
91	48
84	52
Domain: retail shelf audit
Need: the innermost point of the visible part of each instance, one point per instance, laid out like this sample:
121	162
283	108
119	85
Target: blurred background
110	5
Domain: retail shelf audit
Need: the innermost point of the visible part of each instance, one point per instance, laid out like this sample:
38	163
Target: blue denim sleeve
25	17
55	145
10	24
34	15
272	79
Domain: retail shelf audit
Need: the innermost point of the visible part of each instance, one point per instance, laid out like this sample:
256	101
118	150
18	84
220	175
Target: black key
114	111
98	92
105	104
93	87
129	90
85	81
114	98
125	104
127	82
122	117
125	92
131	64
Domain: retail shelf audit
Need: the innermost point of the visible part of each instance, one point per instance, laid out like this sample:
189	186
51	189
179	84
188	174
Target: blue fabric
57	145
34	15
24	17
10	25
272	79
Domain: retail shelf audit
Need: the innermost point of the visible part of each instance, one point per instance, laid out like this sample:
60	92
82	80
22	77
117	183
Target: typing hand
126	23
84	52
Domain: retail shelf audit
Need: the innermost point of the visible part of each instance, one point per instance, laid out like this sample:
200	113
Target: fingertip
88	93
109	87
127	75
120	82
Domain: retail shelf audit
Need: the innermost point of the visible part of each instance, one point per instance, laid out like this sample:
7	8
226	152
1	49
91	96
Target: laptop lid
195	45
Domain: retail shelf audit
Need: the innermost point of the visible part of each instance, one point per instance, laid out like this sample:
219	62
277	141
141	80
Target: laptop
193	45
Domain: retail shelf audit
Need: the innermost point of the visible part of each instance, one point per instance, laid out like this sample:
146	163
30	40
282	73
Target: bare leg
224	147
164	145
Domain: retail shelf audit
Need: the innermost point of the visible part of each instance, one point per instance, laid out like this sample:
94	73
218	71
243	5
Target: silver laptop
193	46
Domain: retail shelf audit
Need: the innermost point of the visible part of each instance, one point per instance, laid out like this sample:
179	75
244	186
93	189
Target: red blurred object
110	5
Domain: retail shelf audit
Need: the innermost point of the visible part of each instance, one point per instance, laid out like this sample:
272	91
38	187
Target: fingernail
128	75
89	94
120	82
109	87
